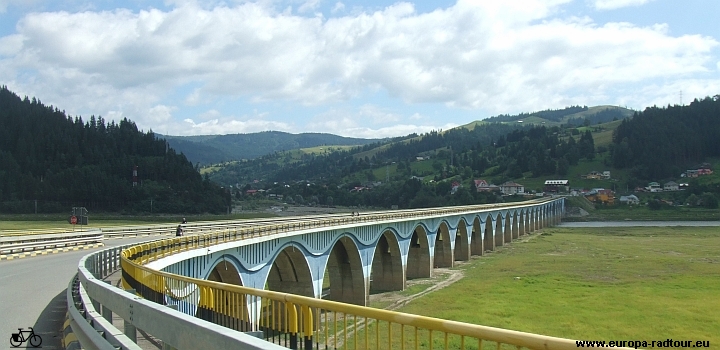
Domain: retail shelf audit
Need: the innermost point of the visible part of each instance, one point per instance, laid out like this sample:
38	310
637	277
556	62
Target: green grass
603	284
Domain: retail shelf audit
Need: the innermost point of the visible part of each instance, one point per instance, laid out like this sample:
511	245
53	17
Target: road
32	292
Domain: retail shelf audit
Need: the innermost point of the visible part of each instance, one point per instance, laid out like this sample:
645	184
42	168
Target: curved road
32	292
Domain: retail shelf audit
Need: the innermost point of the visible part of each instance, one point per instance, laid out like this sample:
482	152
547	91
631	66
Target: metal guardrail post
130	330
106	312
166	346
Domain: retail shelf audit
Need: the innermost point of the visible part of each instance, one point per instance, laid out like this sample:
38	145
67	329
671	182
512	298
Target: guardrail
12	244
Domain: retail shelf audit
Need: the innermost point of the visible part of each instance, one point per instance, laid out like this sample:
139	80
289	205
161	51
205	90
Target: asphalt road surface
32	293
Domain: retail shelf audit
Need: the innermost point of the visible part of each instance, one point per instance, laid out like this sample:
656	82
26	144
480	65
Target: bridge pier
476	238
347	281
462	242
499	232
489	234
387	267
443	247
419	261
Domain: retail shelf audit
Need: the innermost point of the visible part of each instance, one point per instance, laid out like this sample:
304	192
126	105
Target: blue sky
360	69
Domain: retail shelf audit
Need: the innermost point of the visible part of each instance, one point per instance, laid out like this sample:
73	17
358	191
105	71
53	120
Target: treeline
660	143
555	115
55	159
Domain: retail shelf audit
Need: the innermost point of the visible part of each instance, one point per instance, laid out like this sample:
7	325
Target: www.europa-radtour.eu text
667	343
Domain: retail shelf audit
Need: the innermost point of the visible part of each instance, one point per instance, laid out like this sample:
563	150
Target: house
596	175
251	192
510	188
593	175
630	200
704	171
698	172
601	195
454	187
556	186
671	186
483	186
653	187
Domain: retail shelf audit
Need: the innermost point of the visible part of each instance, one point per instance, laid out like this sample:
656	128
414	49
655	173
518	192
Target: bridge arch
533	220
515	225
290	273
225	271
476	238
507	230
419	264
219	307
522	226
461	252
387	268
499	234
345	273
443	247
489	238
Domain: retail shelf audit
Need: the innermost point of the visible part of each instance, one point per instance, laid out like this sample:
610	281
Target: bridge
304	283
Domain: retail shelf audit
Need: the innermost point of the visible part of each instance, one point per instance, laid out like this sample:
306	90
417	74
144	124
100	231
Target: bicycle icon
18	338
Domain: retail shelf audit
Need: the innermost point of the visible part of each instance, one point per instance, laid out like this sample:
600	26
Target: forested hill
61	161
661	142
210	149
569	116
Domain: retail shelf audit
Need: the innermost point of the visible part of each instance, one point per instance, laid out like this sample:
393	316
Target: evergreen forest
51	162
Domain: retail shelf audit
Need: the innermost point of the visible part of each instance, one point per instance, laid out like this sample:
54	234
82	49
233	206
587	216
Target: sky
368	69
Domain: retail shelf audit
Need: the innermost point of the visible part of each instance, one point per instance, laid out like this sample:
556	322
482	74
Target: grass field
593	284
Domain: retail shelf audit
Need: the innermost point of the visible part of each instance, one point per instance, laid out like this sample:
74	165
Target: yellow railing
309	323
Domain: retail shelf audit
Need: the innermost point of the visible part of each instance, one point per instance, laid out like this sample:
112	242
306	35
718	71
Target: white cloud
309	6
339	6
669	92
498	57
416	116
616	4
231	126
159	114
369	121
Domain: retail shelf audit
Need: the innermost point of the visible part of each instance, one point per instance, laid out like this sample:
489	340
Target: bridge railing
309	323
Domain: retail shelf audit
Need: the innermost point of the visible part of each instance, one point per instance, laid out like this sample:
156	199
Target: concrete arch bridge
298	280
359	257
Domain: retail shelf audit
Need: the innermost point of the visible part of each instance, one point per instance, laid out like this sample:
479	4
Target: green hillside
438	168
213	149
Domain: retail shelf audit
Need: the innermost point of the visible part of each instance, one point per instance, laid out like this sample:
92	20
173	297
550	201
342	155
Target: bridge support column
476	238
443	247
461	251
387	271
418	264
